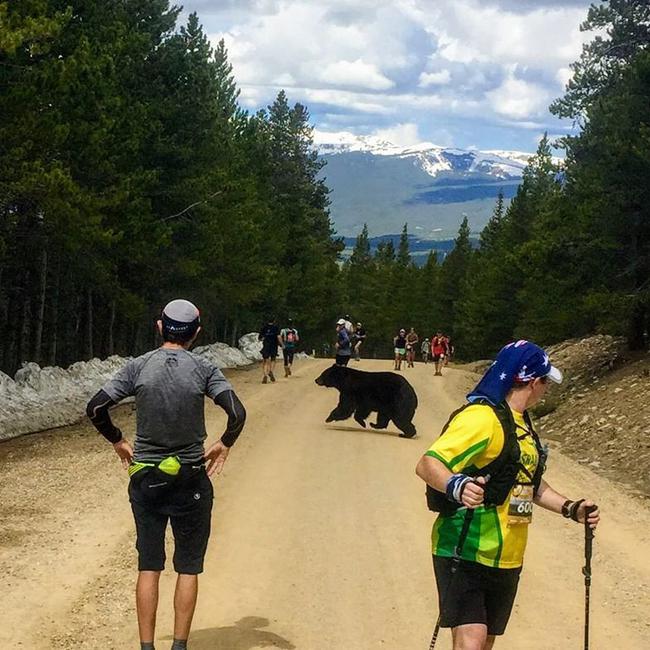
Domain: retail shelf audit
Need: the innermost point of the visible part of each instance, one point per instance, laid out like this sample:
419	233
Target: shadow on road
359	429
245	634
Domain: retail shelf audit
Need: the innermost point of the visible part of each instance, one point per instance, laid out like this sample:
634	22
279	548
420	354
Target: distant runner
289	338
169	468
399	344
343	343
485	498
357	340
450	350
425	350
270	337
412	339
438	351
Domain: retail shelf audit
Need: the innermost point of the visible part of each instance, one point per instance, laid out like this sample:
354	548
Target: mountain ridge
430	187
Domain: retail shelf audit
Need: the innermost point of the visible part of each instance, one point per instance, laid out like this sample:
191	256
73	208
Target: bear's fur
387	393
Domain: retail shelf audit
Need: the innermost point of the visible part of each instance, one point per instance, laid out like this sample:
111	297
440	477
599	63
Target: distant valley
429	187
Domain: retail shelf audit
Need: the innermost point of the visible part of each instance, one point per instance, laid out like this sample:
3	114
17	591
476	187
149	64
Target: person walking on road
168	466
426	346
357	340
343	343
399	344
484	474
288	338
438	351
271	341
450	350
412	340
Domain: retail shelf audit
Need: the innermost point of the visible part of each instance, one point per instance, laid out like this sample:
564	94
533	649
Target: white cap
340	321
555	374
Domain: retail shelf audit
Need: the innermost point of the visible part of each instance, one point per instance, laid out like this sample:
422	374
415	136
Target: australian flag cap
518	362
180	317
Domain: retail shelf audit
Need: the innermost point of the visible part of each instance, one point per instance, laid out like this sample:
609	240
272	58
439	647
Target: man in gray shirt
169	467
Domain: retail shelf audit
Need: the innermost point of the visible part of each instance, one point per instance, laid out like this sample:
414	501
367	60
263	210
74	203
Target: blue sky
464	73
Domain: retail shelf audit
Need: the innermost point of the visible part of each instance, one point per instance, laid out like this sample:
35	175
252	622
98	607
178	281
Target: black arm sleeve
230	403
97	411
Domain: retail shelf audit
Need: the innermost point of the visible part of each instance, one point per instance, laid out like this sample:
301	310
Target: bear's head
332	377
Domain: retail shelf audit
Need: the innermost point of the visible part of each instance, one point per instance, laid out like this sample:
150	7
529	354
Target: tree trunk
23	332
235	334
54	316
89	325
111	326
40	311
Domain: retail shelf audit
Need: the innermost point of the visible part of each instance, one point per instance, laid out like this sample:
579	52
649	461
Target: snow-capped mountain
431	158
429	187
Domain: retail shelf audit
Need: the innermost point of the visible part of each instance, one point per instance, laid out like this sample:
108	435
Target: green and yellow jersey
497	535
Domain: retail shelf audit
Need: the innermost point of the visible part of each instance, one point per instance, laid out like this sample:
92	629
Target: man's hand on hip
216	457
124	450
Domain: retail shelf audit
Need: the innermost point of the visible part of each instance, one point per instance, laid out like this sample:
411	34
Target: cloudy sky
464	73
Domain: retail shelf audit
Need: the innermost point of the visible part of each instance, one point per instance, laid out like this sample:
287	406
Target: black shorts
475	594
269	351
288	356
342	359
188	506
437	357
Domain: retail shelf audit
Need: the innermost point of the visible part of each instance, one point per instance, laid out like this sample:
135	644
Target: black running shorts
288	353
475	594
269	351
188	507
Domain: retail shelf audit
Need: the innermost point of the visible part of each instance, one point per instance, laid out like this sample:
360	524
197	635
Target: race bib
520	508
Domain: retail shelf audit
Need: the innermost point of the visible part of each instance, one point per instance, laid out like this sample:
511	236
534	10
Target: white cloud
563	76
470	30
402	135
356	73
441	78
417	61
518	99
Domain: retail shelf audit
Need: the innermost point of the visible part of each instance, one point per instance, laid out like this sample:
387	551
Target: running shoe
271	376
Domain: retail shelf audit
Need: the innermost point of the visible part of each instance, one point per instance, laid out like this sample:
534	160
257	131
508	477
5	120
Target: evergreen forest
131	175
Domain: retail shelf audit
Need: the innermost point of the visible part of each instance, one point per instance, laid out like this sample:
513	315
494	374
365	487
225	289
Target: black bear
362	392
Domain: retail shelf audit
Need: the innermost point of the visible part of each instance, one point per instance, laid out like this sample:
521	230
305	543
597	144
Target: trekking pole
586	569
469	513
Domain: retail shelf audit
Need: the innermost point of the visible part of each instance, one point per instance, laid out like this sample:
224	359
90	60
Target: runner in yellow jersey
485	473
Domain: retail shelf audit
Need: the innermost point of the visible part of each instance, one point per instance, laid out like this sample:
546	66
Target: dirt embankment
600	414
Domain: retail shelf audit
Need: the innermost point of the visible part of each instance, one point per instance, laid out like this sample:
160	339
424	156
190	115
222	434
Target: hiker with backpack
270	337
483	476
289	337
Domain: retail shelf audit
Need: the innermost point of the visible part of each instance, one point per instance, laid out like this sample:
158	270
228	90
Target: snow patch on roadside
44	398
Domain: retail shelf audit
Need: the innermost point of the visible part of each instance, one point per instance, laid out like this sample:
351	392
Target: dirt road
320	538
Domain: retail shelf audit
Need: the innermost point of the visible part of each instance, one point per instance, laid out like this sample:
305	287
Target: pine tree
453	276
623	28
403	251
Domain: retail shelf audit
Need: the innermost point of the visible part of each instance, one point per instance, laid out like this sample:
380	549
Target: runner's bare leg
187	587
473	636
146	601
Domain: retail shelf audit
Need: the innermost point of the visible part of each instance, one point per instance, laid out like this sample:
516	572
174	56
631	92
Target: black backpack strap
542	453
502	470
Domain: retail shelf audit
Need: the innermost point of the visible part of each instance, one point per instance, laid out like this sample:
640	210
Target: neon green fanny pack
170	465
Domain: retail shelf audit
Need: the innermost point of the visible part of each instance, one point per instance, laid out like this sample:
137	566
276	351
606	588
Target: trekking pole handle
589	531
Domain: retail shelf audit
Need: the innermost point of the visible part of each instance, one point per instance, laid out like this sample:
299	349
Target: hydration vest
503	470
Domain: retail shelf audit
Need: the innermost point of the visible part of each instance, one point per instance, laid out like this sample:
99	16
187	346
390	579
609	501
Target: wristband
455	486
570	509
573	510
